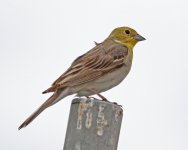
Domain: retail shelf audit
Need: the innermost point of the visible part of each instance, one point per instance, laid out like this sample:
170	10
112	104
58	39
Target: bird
98	70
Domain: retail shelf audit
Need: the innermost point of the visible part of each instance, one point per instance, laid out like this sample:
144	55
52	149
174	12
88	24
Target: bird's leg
102	97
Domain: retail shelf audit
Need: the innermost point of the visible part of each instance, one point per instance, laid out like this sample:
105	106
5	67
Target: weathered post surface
93	125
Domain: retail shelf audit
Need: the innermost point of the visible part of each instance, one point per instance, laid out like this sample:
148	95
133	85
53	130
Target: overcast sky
40	38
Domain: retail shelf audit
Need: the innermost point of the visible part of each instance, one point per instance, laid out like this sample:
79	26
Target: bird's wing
91	66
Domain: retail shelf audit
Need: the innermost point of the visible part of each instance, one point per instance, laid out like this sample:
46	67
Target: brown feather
45	105
102	59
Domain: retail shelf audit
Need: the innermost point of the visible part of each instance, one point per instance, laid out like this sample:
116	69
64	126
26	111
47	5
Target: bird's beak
139	38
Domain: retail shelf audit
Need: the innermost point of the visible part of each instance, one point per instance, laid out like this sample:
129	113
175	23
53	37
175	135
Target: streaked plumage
96	71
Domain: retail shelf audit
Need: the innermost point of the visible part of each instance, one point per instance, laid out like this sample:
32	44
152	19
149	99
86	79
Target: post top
94	100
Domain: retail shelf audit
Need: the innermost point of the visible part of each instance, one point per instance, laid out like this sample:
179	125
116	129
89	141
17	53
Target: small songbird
98	70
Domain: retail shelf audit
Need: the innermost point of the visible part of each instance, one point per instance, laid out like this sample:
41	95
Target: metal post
93	125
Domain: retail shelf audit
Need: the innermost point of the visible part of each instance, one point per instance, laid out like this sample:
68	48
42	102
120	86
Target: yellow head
126	36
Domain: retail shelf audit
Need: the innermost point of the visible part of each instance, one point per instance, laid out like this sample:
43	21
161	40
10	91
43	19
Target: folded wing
92	65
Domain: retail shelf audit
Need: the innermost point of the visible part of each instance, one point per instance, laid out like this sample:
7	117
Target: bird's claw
117	104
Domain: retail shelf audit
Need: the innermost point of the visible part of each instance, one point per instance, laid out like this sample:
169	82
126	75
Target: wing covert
91	66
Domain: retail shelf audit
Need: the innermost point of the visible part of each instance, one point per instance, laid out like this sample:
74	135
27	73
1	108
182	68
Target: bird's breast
106	82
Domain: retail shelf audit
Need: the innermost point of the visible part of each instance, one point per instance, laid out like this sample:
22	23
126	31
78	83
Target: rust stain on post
118	112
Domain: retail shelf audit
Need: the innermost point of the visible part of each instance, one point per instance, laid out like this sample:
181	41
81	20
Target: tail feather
51	89
46	104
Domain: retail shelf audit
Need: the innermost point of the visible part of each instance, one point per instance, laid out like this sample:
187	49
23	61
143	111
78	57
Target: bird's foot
90	97
117	104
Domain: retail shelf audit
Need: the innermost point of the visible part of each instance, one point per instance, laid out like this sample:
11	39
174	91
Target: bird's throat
129	44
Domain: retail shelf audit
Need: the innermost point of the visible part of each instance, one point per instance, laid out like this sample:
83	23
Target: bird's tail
52	100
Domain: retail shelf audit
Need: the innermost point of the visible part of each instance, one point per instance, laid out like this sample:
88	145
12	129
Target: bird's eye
127	31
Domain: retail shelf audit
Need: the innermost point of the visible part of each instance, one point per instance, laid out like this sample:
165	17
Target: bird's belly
106	82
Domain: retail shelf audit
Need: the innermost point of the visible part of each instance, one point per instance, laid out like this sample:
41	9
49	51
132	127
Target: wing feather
91	66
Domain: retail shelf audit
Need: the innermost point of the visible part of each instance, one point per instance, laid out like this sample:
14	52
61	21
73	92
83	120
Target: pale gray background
40	38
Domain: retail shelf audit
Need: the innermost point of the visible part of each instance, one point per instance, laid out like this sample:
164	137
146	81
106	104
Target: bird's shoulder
108	47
